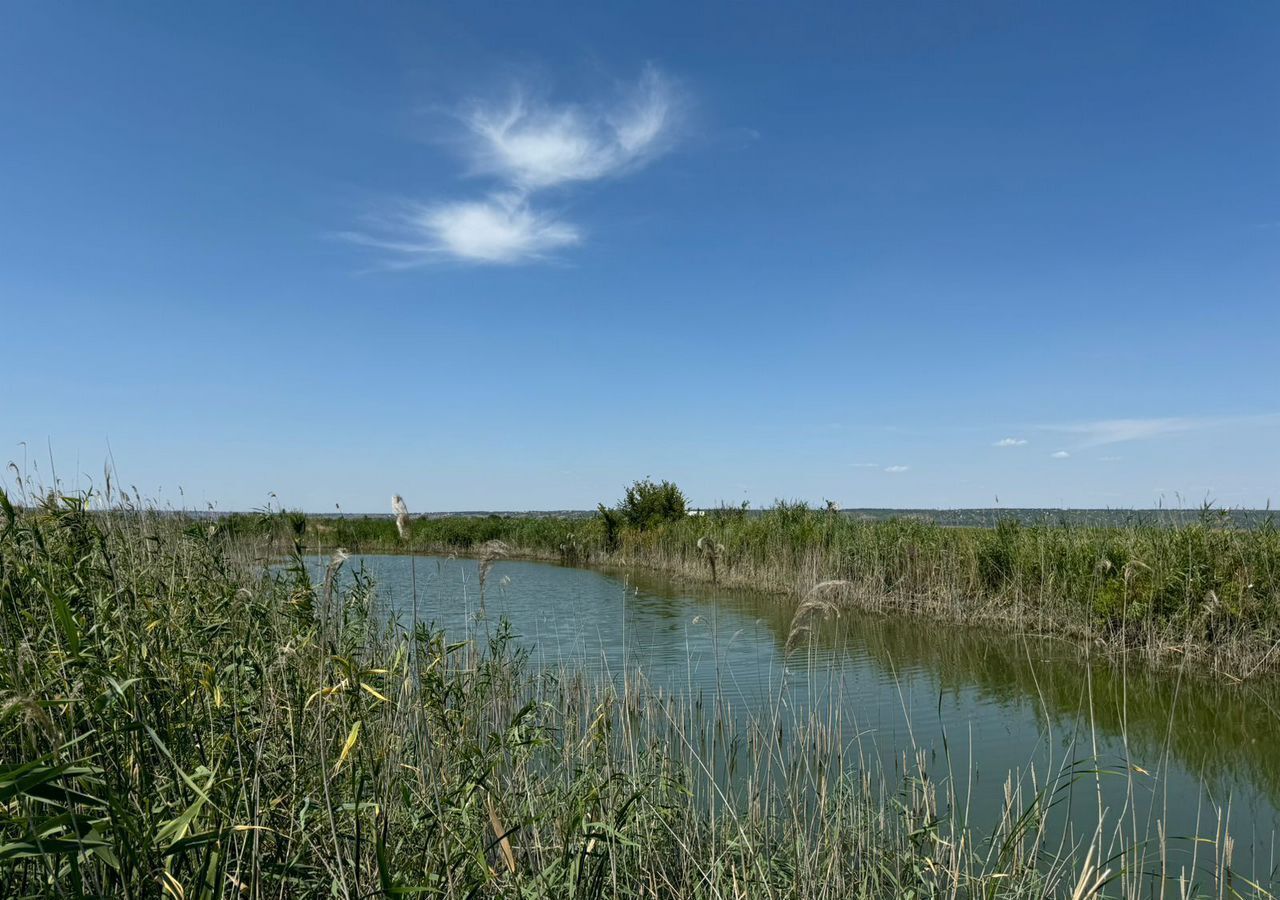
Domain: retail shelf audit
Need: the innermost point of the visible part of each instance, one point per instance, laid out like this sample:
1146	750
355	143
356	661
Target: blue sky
514	256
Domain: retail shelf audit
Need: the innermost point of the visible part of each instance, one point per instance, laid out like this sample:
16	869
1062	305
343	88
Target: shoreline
999	617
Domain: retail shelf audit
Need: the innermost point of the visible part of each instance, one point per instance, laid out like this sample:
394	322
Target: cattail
402	515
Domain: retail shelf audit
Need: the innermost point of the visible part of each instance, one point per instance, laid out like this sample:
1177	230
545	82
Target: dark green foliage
649	504
611	522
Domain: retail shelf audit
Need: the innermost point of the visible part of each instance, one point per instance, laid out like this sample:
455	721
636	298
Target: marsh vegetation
184	713
1204	591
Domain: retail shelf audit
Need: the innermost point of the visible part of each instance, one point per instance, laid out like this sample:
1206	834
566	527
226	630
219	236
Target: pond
1179	748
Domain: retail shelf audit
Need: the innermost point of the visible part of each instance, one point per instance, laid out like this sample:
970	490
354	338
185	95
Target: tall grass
179	719
1206	591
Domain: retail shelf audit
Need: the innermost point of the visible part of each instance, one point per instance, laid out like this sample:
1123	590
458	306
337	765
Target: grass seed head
402	515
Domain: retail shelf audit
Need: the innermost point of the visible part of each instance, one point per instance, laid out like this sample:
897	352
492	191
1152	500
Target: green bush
611	521
648	504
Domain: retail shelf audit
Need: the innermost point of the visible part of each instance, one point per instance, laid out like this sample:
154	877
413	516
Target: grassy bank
176	721
1207	592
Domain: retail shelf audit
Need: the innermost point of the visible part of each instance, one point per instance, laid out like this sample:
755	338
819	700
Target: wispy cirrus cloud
533	146
1059	454
1010	442
528	146
1115	431
894	470
500	229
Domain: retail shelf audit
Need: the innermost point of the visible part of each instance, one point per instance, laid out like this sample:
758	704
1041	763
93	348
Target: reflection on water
995	704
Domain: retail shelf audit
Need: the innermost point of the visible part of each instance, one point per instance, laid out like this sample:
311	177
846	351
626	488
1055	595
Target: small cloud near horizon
865	465
896	469
1060	454
529	145
1010	442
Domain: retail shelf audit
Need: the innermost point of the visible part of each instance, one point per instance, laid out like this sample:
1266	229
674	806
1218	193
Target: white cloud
530	146
1009	442
865	465
501	229
1060	454
533	145
897	469
497	230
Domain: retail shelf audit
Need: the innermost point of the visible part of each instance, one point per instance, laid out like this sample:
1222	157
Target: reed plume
824	599
402	515
402	528
711	552
490	553
340	555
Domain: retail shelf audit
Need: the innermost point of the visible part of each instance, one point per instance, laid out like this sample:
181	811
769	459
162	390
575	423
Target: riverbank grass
177	719
1204	593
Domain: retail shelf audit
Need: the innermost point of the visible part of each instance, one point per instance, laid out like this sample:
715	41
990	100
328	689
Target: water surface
988	705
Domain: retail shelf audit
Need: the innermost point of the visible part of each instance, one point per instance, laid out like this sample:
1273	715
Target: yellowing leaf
326	692
171	886
254	828
348	746
374	692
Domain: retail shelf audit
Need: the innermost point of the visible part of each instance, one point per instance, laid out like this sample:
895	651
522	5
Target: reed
1201	590
183	715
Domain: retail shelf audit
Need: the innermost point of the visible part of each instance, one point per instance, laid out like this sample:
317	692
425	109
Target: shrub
612	522
649	503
